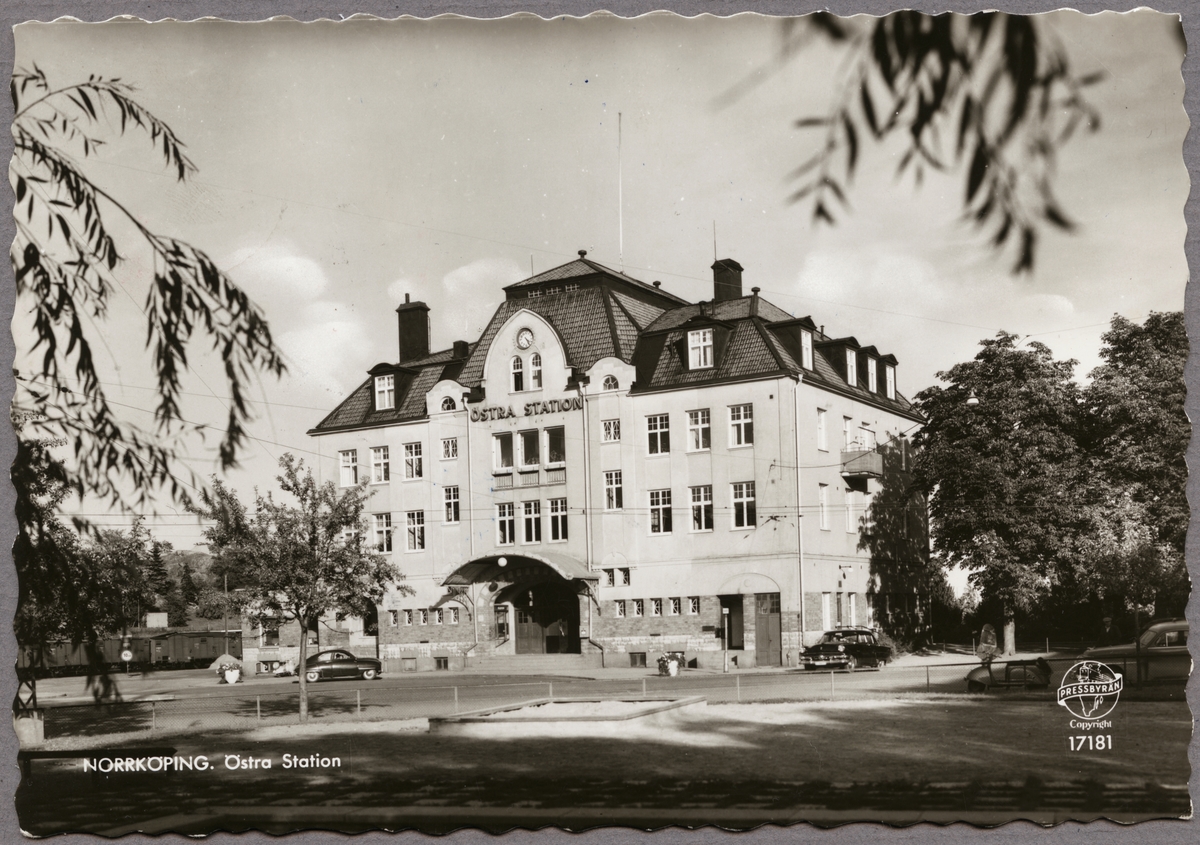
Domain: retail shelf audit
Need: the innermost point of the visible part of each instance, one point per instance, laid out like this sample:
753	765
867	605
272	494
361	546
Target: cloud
466	299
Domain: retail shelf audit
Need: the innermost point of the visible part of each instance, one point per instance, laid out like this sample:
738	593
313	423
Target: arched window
610	383
535	372
448	404
518	376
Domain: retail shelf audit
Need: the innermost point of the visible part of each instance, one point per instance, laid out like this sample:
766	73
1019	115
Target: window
806	349
847	435
850	522
851	367
624	577
450	495
619	607
412	460
608	577
867	438
610	383
702	508
637	660
349	467
700	349
532	521
408	617
448	404
571	287
613	500
535	372
693	605
699	431
416	531
530	450
660	511
558	520
556	445
743	505
826	615
741	425
423	616
674	607
518	376
393	617
853	609
872	375
439	616
612	431
385	392
823	507
656	607
505	525
890	373
382	525
638	608
502	449
658	434
450	449
380	465
822	438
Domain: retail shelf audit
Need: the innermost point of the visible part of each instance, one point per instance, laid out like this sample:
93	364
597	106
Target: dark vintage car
1163	650
337	663
845	648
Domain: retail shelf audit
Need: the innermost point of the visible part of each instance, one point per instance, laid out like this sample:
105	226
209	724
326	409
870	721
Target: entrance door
547	620
736	637
531	639
767	640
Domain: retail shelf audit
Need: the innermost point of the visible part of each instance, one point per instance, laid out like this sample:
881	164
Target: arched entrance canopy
488	568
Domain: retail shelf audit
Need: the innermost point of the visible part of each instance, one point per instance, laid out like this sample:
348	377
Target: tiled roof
570	270
746	356
581	319
643	313
581	267
724	310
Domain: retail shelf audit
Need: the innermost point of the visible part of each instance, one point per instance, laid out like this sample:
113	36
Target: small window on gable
385	392
610	383
806	350
700	349
851	367
518	375
448	404
872	376
891	381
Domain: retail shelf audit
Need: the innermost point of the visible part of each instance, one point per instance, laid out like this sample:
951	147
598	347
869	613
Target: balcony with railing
557	475
502	481
862	463
528	478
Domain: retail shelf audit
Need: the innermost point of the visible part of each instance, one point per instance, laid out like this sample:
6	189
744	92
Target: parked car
845	648
1164	653
335	664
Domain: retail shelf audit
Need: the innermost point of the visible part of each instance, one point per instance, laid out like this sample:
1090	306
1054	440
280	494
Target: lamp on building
972	400
502	561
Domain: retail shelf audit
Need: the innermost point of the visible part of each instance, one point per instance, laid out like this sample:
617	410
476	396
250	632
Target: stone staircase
533	664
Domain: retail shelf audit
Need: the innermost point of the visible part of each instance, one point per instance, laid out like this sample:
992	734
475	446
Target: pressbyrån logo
1089	690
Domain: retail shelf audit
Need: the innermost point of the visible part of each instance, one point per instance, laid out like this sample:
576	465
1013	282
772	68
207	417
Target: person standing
988	649
1110	634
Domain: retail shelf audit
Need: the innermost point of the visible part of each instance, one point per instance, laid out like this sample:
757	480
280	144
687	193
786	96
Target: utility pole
225	617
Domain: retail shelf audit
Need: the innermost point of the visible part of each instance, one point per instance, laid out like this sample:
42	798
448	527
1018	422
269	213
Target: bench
26	756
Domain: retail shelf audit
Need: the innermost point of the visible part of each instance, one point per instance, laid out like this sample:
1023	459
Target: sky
344	165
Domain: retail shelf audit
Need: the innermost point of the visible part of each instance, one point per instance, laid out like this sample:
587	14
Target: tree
990	93
1001	472
187	585
299	561
156	570
67	258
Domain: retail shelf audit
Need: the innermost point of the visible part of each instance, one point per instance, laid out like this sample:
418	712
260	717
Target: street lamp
972	400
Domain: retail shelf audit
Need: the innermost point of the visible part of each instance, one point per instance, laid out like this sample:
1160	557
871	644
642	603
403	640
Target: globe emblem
1089	690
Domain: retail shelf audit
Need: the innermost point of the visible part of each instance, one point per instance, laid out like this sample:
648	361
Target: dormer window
872	375
610	383
700	349
852	367
891	381
448	404
535	372
385	392
518	375
806	350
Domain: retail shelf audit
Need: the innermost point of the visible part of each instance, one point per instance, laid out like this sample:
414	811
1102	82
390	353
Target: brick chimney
461	349
413	322
727	280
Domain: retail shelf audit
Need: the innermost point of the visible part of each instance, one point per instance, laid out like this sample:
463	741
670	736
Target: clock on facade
524	338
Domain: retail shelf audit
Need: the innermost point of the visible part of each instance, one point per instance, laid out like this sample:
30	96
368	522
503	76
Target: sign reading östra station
532	409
